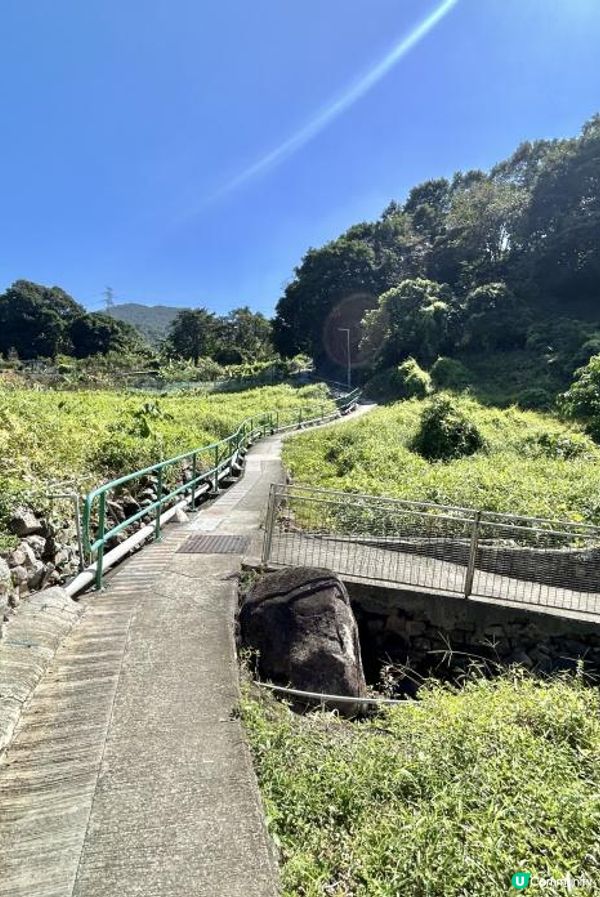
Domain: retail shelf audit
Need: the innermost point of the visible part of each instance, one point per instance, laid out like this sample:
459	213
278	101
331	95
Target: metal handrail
225	452
427	546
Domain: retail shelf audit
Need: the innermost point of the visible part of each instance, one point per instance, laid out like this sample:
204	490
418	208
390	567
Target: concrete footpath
128	773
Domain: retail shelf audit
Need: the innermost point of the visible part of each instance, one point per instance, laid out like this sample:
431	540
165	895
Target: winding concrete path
128	773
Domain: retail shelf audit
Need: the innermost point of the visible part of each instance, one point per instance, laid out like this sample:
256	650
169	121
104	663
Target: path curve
129	775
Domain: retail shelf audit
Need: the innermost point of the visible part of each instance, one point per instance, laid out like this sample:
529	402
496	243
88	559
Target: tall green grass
47	436
532	464
446	797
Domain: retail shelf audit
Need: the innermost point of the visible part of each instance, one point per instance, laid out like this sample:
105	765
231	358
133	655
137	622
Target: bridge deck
398	569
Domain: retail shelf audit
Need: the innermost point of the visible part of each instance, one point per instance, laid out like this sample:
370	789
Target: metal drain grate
220	544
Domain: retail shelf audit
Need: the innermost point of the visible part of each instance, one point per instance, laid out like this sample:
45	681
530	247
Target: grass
49	436
532	463
446	797
513	377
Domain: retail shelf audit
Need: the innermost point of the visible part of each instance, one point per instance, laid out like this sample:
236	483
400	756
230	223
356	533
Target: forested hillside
484	264
153	321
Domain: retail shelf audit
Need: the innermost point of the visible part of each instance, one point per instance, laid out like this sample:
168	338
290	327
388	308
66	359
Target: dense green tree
243	336
560	230
99	334
38	321
334	286
193	334
413	319
494	318
531	223
35	320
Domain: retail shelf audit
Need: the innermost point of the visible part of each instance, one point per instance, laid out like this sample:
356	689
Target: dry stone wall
442	636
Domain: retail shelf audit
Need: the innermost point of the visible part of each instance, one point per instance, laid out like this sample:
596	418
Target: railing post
270	524
300	419
472	554
216	473
193	481
159	490
101	530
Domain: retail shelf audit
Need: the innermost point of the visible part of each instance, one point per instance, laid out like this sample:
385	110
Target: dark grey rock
301	623
130	505
37	544
116	511
24	523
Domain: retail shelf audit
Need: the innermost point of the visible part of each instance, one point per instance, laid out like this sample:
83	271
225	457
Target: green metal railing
201	469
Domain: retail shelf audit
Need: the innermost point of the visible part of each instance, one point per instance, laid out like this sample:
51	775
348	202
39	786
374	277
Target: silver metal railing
436	548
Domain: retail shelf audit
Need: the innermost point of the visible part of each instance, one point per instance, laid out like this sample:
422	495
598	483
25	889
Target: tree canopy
39	321
503	248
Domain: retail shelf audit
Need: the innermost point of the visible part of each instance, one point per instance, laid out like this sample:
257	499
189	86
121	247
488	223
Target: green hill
152	321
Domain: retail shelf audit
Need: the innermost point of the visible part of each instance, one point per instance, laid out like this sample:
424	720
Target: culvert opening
407	638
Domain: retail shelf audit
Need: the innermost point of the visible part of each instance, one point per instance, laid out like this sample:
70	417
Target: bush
406	381
448	373
383	386
413	381
559	445
445	432
536	397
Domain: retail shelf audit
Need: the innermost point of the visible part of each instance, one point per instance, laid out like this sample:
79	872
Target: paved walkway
128	774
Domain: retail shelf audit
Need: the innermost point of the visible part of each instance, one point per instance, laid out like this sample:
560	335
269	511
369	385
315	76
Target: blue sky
186	152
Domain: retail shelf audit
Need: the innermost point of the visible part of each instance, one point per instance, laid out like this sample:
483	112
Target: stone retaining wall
441	636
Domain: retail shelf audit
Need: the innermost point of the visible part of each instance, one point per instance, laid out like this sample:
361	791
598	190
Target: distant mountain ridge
153	321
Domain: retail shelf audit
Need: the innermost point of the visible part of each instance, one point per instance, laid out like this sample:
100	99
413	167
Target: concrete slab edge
31	638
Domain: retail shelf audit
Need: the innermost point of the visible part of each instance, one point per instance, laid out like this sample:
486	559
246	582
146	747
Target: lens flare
340	105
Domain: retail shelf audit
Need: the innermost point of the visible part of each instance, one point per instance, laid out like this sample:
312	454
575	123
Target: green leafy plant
443	797
445	432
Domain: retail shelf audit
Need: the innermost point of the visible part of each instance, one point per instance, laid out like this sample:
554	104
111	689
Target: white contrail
337	107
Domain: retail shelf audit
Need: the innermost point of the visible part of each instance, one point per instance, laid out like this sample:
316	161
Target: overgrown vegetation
51	435
486	263
442	797
525	463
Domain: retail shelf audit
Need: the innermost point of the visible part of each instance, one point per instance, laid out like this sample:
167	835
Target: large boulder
300	622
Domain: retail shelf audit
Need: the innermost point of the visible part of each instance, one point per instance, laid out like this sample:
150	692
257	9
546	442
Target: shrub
559	445
383	386
445	432
413	381
448	373
536	397
582	400
406	381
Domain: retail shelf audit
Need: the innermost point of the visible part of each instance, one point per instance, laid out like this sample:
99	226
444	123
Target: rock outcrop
301	624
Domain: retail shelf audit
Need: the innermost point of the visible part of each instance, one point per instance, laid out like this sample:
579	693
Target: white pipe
343	699
87	577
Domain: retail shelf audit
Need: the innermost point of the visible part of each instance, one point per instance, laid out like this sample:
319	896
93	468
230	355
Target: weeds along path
128	773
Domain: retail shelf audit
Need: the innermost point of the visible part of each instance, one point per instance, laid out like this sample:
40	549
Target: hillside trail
128	773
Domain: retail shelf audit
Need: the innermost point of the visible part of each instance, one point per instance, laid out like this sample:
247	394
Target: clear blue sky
141	138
